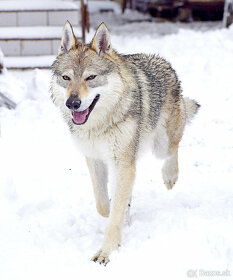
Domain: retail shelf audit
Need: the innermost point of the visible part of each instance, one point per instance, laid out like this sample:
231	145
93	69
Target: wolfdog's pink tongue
80	117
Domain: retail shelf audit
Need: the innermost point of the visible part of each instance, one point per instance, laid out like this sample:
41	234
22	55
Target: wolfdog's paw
170	171
170	178
170	184
101	258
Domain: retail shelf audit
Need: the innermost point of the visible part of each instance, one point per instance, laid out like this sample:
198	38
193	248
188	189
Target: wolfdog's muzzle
80	117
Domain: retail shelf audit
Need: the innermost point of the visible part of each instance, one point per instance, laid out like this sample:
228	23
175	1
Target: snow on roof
93	6
37	5
33	61
33	32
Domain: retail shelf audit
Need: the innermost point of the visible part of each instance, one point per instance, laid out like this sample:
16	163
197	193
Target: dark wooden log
5	101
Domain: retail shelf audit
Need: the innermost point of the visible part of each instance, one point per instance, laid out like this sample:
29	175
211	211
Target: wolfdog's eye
92	77
66	78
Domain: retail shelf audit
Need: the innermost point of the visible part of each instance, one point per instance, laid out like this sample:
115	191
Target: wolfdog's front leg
124	183
99	176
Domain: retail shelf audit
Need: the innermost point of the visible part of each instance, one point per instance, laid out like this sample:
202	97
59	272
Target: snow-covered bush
12	89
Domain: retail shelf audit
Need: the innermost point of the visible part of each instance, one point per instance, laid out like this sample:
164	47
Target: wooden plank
28	67
40	10
35	39
205	1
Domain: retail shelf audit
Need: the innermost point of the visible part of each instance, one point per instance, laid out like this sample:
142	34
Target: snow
44	61
96	6
32	32
49	226
37	5
93	6
12	87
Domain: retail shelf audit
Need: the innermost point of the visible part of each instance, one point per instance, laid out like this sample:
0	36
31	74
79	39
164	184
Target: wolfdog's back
155	80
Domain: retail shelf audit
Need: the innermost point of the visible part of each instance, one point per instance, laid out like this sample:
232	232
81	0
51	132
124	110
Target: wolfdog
113	105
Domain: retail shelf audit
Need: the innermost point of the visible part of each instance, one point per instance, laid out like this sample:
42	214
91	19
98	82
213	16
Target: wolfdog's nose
73	103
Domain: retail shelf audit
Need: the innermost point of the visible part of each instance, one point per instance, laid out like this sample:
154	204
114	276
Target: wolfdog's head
86	80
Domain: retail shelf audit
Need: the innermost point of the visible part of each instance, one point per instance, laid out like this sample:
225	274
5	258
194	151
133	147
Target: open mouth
82	117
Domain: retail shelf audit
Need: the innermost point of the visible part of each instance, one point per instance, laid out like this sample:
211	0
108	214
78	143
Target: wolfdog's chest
106	144
93	147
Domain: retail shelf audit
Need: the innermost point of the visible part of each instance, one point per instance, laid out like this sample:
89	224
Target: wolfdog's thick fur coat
115	105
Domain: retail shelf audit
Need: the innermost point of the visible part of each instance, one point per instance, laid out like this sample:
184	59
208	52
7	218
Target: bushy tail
191	108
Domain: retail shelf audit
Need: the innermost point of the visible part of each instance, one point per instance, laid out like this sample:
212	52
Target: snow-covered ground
49	226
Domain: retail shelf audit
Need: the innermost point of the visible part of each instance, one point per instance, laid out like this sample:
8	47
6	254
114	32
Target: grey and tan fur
138	103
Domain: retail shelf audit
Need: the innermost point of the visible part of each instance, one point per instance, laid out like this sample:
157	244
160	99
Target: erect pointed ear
101	42
68	40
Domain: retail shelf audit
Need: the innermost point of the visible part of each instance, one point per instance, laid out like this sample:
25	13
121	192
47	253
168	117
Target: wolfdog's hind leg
99	176
170	170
